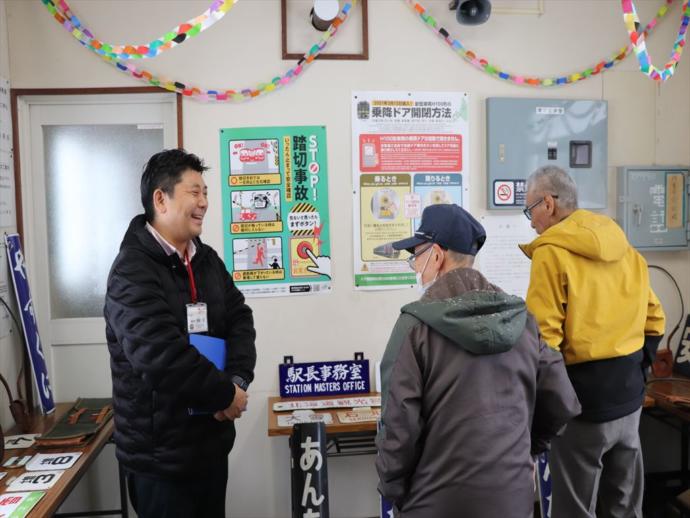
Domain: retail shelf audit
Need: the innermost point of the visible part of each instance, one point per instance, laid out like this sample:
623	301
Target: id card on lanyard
197	314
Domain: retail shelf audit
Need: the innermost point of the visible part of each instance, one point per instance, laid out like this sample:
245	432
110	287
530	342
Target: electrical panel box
653	204
525	134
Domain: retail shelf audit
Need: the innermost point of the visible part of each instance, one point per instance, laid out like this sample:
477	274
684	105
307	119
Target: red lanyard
192	284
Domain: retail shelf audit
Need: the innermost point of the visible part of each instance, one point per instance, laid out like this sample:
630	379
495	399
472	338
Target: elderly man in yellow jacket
589	291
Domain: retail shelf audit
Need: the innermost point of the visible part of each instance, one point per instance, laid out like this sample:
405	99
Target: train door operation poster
409	150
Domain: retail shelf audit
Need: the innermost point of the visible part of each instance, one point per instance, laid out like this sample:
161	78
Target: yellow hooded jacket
589	290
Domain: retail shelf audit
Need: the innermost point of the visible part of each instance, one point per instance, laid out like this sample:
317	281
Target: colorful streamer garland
632	21
114	54
65	18
62	12
484	65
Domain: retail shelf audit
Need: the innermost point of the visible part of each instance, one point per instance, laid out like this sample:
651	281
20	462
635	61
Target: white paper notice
500	259
369	415
5	116
304	416
53	461
319	404
7	204
19	442
35	480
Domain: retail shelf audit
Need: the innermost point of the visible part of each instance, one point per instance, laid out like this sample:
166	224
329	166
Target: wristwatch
240	382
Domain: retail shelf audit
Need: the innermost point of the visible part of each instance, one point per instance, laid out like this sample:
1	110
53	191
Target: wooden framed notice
298	34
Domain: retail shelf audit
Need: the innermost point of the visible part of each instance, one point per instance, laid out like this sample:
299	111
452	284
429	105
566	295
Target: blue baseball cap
449	226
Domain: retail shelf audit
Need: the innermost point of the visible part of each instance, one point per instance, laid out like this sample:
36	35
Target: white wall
4	51
10	346
648	124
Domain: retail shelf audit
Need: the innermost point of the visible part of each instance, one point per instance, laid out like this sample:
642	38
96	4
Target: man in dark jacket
165	284
470	392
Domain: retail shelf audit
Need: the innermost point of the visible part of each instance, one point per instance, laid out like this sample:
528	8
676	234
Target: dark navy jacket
157	375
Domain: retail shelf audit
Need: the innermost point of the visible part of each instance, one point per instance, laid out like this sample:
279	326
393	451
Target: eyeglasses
410	260
527	211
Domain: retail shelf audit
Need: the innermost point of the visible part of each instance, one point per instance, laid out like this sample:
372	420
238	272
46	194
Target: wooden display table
57	494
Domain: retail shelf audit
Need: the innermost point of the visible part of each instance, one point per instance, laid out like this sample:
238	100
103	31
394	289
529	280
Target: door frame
15	95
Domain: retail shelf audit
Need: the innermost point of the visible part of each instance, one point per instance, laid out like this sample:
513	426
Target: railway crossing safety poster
275	209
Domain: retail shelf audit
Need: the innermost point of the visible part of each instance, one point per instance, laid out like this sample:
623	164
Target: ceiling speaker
472	12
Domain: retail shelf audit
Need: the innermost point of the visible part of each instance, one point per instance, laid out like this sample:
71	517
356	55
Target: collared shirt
170	249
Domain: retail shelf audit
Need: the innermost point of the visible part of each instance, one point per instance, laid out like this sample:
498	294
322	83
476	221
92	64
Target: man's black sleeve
651	344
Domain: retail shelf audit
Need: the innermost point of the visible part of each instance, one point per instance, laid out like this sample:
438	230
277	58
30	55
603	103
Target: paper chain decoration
66	20
62	12
114	54
484	65
632	21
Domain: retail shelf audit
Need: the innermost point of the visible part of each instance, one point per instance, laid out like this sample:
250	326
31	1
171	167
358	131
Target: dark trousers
202	497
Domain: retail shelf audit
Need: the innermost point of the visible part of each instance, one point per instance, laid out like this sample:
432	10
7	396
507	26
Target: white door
81	163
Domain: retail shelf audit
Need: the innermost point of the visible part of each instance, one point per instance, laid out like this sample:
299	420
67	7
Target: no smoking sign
504	192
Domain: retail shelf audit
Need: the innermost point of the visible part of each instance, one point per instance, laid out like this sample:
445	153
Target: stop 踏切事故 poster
275	209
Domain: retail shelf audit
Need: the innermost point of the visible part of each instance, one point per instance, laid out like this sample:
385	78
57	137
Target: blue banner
324	378
28	317
544	484
386	509
682	362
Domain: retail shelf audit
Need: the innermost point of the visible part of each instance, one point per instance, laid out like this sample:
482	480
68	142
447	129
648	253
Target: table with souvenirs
43	463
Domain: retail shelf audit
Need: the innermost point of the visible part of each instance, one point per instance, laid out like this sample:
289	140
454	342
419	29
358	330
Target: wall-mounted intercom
652	206
524	134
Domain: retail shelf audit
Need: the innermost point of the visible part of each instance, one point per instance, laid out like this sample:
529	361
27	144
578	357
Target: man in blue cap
469	391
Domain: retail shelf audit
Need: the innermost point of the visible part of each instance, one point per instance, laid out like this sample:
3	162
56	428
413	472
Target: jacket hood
584	233
472	313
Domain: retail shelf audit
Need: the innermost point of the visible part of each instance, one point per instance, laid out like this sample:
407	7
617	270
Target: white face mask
421	287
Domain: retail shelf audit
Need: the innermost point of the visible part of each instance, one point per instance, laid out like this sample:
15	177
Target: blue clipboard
213	349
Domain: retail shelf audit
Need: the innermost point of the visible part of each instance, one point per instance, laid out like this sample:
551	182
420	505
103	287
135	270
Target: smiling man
164	286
